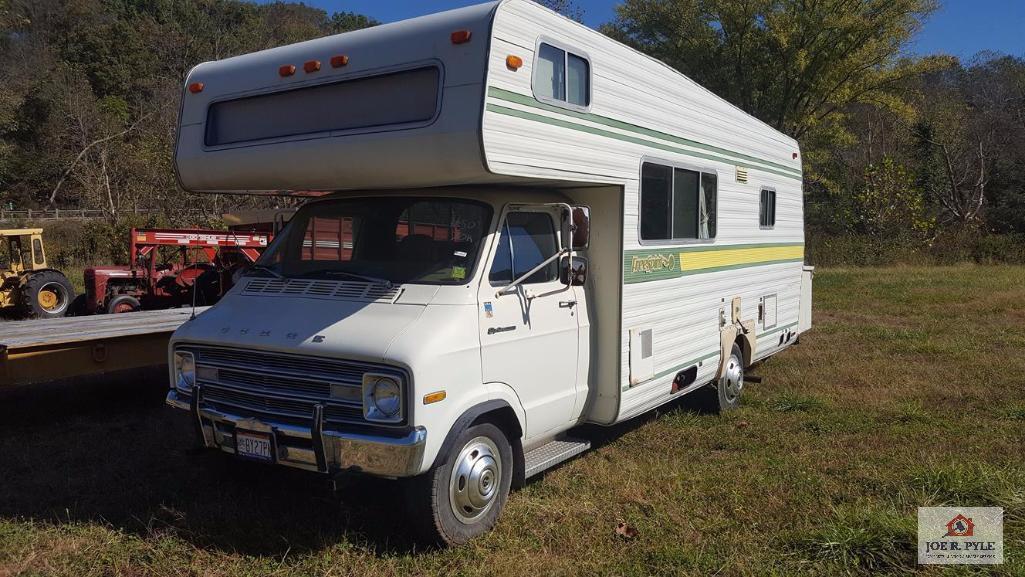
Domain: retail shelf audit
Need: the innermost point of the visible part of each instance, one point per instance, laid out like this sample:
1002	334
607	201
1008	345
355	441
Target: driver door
529	336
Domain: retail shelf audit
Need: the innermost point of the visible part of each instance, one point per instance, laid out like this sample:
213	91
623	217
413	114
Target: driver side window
526	239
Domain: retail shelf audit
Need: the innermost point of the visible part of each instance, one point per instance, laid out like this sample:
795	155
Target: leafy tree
92	87
567	8
794	63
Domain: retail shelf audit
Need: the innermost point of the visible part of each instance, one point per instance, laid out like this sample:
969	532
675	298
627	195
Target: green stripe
631	277
634	278
777	330
597	131
510	96
675	369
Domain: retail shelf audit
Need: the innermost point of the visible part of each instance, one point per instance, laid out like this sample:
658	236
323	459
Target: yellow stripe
732	257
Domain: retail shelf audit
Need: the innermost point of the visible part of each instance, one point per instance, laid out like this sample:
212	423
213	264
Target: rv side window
525	240
767	210
562	76
677	204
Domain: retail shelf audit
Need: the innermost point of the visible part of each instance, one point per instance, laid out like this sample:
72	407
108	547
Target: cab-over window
561	76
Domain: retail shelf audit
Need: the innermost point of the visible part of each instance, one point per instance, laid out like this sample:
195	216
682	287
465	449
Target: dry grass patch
907	393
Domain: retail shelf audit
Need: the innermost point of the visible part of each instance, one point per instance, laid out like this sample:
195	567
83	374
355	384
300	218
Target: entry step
552	453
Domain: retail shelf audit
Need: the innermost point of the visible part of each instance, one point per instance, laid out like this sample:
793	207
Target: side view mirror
581	227
576	276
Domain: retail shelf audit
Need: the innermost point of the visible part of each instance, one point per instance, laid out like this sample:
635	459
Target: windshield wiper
372	279
266	268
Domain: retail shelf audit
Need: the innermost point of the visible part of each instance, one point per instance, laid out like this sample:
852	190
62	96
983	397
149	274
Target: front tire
46	295
123	304
461	497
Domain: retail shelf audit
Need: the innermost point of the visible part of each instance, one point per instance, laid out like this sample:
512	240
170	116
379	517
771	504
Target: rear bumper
311	448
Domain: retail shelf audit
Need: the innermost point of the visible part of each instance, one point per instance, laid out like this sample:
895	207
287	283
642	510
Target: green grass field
910	391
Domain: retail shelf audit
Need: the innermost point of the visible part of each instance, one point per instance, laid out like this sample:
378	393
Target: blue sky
961	27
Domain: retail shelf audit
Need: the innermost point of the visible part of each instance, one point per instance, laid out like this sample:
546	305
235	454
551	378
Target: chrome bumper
313	448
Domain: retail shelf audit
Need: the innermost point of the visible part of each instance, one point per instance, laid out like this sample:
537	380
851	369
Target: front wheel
123	304
462	497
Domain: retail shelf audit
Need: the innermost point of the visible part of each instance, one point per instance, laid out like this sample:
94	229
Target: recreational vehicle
516	226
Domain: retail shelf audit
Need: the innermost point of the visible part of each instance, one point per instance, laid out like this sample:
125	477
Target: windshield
394	239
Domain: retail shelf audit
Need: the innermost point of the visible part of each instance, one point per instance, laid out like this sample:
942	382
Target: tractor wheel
46	295
123	304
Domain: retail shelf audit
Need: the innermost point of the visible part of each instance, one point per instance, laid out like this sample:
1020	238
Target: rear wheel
724	394
46	295
123	304
462	497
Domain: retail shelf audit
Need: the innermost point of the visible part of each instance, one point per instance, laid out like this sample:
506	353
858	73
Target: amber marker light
513	62
461	36
434	397
286	70
312	66
196	87
339	61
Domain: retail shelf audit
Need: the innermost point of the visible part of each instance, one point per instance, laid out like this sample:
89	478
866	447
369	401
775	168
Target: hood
319	327
109	269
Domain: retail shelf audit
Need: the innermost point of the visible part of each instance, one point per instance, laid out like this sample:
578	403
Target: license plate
253	446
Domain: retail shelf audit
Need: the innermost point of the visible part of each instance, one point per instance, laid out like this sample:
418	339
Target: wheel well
504	418
745	349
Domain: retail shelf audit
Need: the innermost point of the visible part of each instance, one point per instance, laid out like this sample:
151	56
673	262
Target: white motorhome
520	226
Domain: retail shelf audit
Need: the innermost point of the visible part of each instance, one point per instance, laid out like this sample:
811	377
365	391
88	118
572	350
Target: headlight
382	398
184	371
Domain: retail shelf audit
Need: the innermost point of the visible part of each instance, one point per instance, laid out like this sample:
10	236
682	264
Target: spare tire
46	295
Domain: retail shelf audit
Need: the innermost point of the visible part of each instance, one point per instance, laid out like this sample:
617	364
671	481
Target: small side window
37	251
767	209
526	240
562	76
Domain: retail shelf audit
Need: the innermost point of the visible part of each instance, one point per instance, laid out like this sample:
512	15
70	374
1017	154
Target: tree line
919	150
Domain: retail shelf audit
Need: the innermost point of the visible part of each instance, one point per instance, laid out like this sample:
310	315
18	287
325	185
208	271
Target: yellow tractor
27	285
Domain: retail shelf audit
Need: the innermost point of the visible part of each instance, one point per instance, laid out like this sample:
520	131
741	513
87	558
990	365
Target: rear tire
724	394
461	497
123	304
46	295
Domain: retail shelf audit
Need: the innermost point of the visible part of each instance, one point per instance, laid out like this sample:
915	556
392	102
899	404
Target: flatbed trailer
41	351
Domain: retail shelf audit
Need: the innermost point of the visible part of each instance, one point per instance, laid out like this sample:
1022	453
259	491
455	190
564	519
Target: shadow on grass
691	404
115	455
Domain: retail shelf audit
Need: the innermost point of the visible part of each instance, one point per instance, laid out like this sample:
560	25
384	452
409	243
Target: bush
75	243
945	249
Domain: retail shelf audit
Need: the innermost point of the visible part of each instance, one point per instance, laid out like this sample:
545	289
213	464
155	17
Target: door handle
567	304
496	330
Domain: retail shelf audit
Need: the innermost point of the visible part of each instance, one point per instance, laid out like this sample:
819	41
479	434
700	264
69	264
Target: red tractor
194	266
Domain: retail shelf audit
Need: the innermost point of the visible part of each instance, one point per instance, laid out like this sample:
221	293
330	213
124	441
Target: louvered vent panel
340	290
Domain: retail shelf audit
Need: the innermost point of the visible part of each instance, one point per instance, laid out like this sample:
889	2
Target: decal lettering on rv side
654	263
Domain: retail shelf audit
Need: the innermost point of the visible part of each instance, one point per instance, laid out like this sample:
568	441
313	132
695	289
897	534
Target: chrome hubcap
476	475
734	378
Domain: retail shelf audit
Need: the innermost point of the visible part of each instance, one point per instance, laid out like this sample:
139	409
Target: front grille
283	387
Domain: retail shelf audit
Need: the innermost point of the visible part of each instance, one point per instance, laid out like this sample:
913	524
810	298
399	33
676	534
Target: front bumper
311	448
